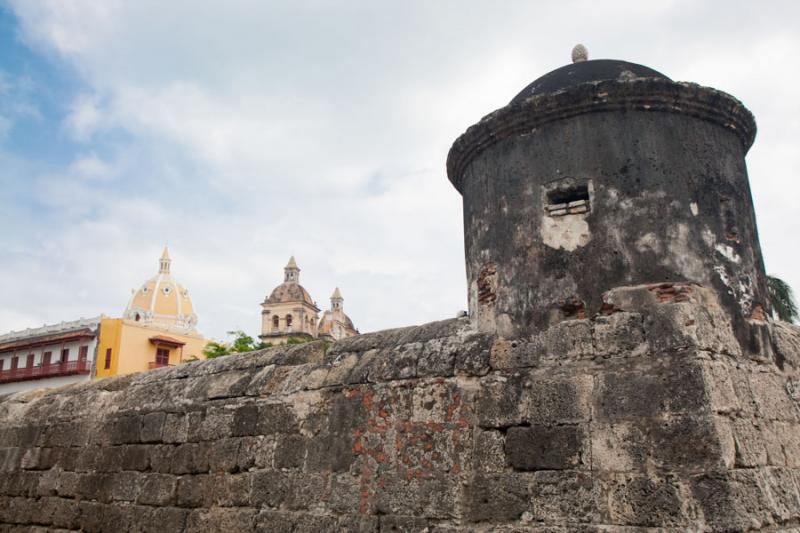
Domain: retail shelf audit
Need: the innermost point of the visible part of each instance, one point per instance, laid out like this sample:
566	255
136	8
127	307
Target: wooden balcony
70	368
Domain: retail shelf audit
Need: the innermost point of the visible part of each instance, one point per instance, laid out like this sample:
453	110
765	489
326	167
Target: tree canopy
241	342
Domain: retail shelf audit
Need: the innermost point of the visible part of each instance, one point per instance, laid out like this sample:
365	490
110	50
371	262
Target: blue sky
242	132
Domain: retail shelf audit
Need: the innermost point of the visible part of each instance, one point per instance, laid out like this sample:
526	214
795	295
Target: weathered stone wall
648	416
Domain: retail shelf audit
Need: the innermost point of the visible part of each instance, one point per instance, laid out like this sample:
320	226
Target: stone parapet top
638	324
648	95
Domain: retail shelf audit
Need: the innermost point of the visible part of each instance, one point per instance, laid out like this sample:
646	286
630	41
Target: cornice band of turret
649	94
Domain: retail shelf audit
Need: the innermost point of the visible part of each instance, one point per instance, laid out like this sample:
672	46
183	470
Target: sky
239	133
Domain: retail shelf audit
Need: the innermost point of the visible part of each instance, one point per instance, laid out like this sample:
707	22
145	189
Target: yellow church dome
162	301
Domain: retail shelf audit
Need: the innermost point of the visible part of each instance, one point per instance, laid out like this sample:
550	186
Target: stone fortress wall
618	372
646	416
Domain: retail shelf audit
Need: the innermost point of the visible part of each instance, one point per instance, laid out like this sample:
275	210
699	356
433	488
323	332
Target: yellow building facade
157	328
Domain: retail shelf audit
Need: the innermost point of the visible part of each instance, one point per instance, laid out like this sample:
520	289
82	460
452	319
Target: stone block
189	458
58	513
559	399
223	455
431	497
270	488
107	459
542	447
175	429
64	435
497	497
744	394
686	443
290	451
152	427
276	418
135	457
570	339
157	489
255	452
502	401
397	363
239	519
11	459
644	501
785	449
779	485
619	447
440	402
217	424
750	450
346	494
721	392
95	486
565	498
195	491
125	486
403	523
489	451
619	335
473	355
220	385
437	358
772	400
232	490
125	430
671	387
161	458
162	519
67	484
732	502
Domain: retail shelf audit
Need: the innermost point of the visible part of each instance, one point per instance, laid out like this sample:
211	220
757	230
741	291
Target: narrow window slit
568	201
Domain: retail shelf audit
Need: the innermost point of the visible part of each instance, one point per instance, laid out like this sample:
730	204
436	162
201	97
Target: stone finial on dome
336	300
291	271
579	53
164	261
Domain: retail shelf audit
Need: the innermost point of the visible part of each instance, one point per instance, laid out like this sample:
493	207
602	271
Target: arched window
288	321
276	322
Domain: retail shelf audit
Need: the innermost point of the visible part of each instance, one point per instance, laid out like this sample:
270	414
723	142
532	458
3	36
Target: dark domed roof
289	291
586	72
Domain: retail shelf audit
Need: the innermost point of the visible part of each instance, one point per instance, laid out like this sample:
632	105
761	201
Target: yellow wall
110	334
132	350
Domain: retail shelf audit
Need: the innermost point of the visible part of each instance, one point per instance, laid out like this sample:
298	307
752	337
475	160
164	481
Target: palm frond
782	299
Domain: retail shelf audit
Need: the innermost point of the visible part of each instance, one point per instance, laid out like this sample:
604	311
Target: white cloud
91	167
84	118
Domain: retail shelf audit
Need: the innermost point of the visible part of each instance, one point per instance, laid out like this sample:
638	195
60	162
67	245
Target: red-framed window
107	364
29	361
2	364
83	353
65	355
162	356
14	362
47	358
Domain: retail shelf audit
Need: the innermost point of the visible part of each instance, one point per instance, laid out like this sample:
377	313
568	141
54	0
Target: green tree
241	342
781	298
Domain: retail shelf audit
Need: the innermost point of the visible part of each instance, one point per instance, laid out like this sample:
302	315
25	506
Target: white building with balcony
49	356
